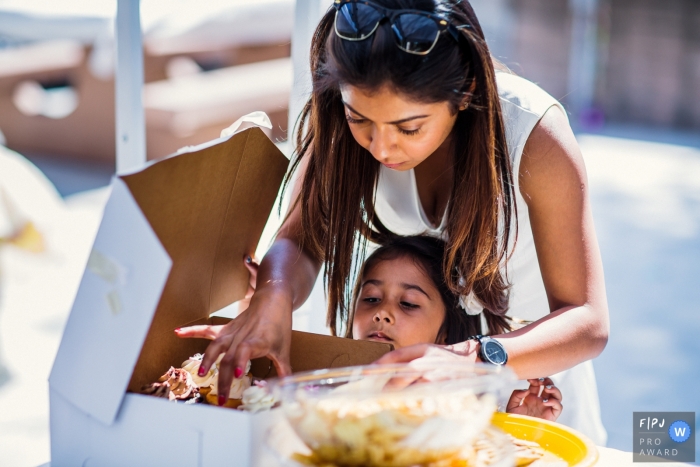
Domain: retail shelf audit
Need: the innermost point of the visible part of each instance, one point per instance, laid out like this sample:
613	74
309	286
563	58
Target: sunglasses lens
356	21
415	33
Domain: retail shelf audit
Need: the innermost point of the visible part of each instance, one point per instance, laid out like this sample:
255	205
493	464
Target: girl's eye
408	305
409	132
370	299
354	120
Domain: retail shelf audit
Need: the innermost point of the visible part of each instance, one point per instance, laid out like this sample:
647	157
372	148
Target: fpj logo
664	437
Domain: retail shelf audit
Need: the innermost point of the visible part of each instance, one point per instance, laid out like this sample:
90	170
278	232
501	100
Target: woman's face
400	133
399	304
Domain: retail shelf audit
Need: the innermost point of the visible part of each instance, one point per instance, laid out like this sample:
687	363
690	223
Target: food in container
395	415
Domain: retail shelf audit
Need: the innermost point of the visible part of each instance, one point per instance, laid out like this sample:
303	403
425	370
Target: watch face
494	353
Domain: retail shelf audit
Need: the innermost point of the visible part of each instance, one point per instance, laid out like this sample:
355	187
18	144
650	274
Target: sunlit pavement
646	202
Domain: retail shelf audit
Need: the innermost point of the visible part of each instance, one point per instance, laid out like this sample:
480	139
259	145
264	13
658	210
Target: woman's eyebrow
395	122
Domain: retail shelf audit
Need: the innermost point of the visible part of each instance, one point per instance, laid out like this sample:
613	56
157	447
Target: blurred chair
195	108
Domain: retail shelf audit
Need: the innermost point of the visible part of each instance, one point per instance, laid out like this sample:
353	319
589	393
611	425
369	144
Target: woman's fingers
283	367
199	332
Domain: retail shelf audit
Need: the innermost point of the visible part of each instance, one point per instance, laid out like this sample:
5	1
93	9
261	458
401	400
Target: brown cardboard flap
317	352
308	352
208	209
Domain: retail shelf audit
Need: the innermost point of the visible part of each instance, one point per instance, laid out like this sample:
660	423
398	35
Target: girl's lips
380	336
393	166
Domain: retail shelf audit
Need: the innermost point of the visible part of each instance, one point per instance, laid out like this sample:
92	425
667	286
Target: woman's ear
464	104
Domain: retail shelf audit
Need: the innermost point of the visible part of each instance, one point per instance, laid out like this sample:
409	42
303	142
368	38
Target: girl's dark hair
336	199
427	253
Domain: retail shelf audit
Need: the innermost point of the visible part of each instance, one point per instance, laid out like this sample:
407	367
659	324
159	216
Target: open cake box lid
169	252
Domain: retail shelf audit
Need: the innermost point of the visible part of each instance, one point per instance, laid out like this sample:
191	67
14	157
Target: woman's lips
393	166
379	336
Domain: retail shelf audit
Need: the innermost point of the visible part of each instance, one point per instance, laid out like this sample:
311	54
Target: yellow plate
565	443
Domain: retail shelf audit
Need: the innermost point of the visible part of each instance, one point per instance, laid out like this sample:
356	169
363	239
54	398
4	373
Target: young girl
401	298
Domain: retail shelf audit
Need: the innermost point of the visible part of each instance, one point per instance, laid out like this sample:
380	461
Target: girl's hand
464	351
537	401
263	329
252	265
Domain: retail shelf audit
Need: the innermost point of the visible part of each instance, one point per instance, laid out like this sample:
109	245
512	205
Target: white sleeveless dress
398	207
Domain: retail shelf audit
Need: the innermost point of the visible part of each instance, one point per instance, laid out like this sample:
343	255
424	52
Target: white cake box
169	252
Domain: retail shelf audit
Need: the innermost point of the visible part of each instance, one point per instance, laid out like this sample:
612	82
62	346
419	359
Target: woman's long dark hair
337	193
427	253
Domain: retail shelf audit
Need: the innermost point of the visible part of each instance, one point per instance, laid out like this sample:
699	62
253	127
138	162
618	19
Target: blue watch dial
494	353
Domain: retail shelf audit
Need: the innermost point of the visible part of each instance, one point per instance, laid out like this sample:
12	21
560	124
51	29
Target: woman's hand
262	329
463	351
536	401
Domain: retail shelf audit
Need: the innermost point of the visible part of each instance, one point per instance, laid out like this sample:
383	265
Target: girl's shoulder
519	95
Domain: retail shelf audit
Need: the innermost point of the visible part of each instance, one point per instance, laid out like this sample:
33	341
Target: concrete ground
646	202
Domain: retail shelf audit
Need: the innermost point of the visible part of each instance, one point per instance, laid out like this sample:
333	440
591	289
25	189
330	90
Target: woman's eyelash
409	132
362	120
354	120
409	305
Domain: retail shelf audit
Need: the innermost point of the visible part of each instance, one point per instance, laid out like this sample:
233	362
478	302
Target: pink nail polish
222	400
202	371
178	330
238	372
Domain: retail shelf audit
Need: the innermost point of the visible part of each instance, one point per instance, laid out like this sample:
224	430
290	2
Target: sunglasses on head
415	31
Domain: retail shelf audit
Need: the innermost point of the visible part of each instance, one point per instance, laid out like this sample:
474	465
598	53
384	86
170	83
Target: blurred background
628	72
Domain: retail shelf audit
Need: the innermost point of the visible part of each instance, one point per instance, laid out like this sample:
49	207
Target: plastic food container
392	415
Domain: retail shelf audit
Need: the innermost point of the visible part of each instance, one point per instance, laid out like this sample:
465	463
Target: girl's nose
383	316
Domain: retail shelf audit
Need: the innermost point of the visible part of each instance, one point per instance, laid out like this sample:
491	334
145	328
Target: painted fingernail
249	260
202	371
238	372
178	330
545	400
222	399
549	386
541	379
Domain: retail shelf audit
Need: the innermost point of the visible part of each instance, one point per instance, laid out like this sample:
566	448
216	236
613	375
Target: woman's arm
555	187
285	279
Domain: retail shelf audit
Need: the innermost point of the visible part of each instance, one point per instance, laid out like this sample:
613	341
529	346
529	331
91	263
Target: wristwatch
491	351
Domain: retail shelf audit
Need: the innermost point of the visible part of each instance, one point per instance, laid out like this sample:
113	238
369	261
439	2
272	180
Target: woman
410	130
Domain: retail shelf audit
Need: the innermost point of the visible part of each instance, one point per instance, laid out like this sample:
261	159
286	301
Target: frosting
175	384
192	367
257	398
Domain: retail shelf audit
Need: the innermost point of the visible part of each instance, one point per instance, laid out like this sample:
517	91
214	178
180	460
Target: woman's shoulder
520	95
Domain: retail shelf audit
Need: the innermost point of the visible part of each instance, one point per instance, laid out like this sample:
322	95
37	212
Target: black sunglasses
416	31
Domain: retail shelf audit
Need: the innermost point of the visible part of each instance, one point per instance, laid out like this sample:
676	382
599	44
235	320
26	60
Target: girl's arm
285	279
554	185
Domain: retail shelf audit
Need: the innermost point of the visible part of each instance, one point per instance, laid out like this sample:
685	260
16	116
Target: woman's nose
381	145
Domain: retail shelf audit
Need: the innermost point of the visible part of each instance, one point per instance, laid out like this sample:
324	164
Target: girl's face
399	304
400	133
